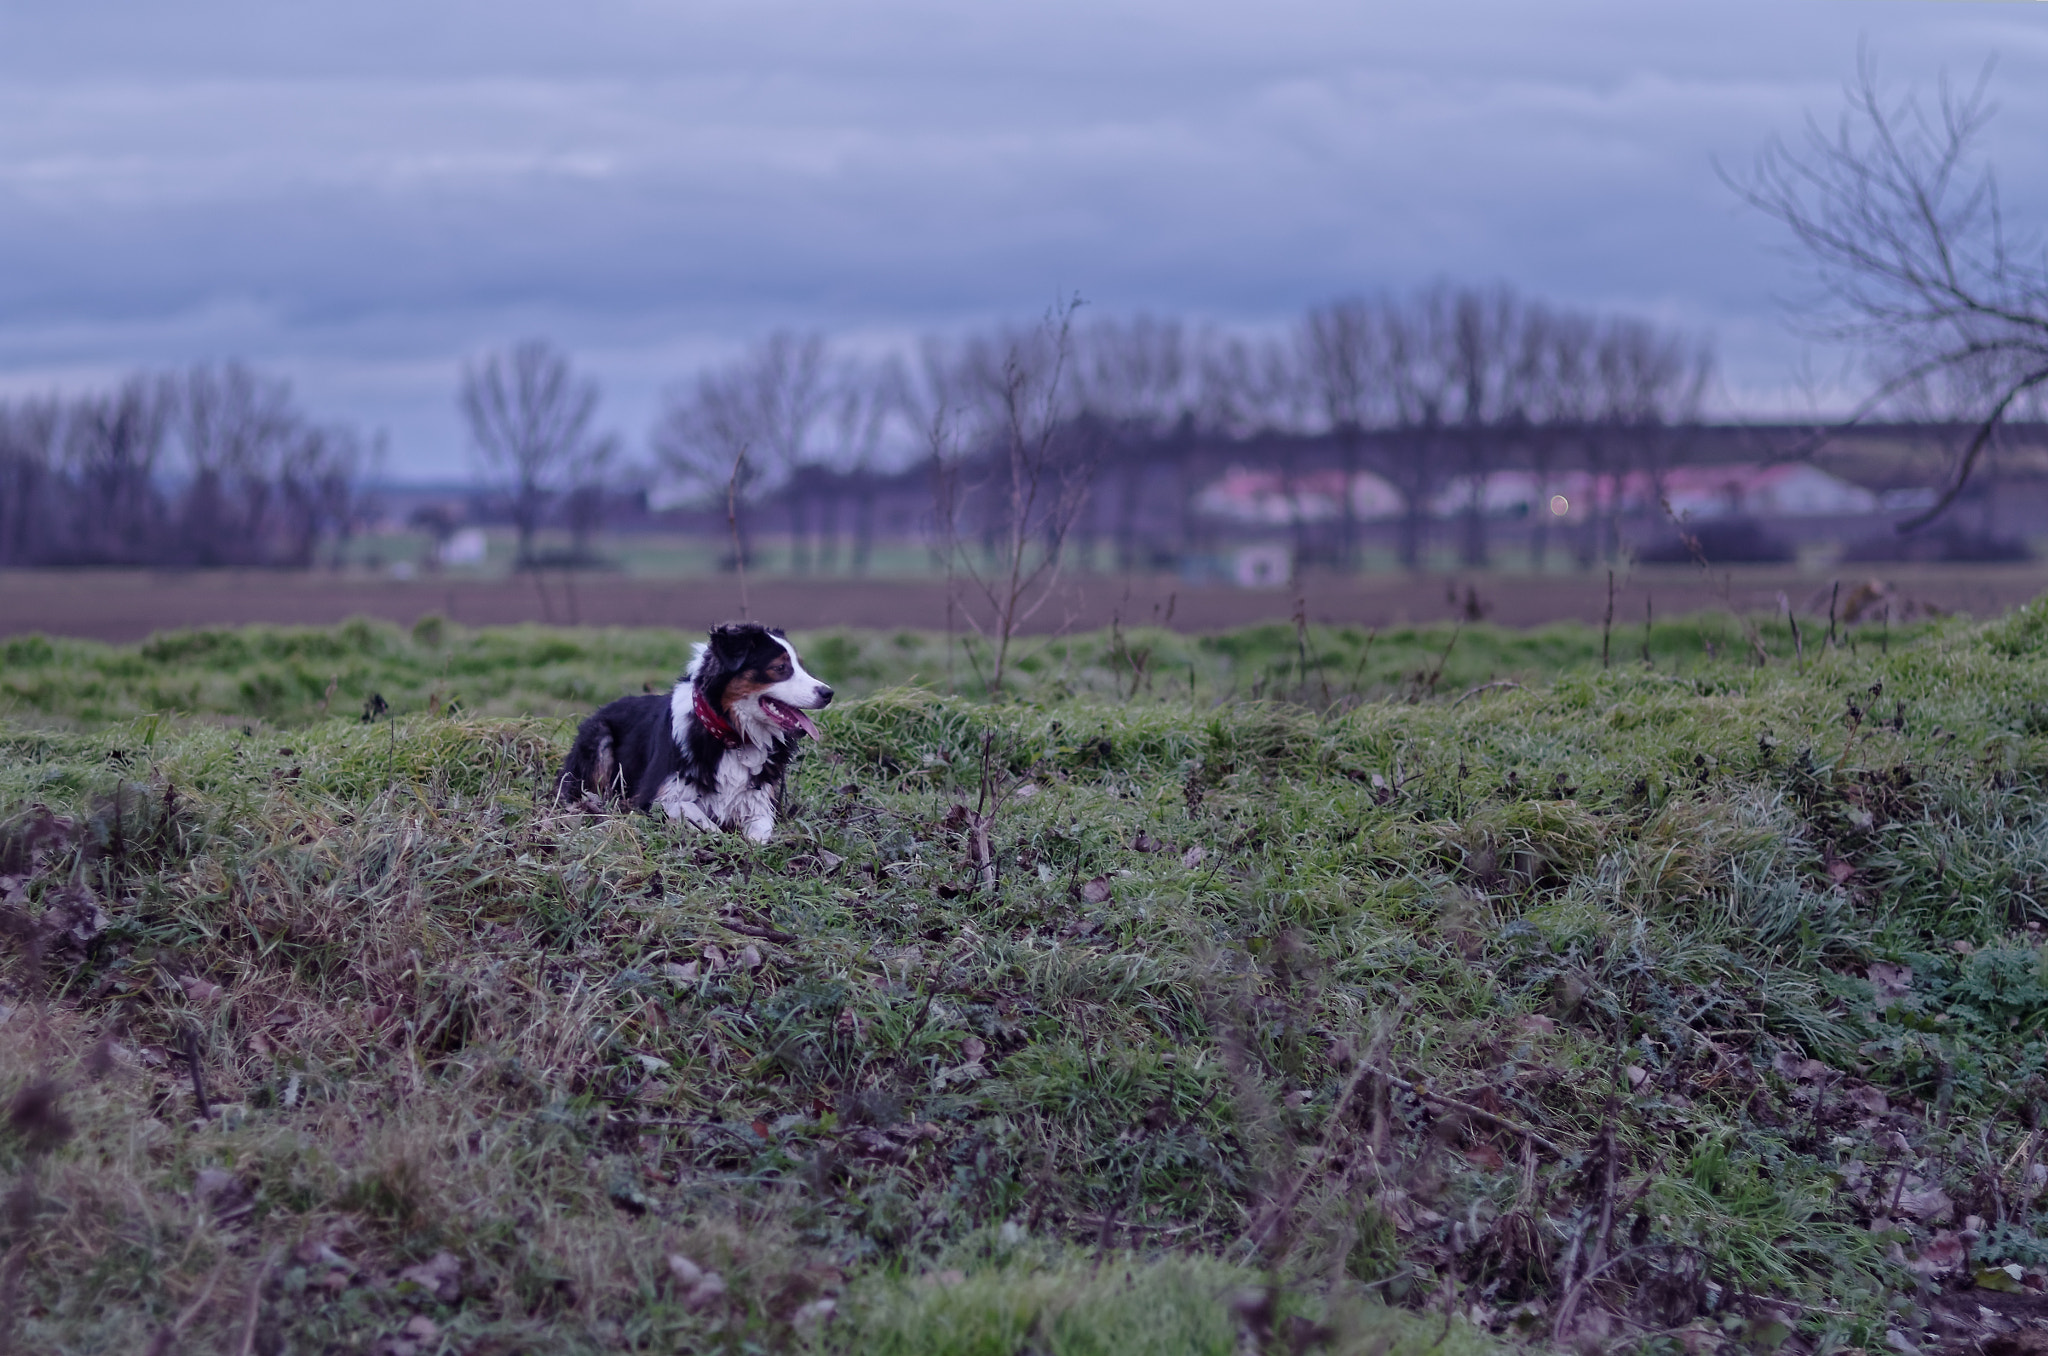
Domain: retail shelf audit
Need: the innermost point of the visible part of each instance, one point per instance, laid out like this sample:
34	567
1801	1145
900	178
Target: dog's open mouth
789	717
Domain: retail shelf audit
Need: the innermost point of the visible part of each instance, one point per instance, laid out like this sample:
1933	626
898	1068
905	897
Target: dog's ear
730	645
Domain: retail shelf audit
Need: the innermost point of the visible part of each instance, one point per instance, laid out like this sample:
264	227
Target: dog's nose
824	695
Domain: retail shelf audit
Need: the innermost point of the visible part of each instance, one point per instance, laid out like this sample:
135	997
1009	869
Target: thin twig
1279	1209
1486	687
1436	675
732	523
1568	1306
766	934
1598	1256
167	1338
1359	671
198	1074
255	1306
1511	1126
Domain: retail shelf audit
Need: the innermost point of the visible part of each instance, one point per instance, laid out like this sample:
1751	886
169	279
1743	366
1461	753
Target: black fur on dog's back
625	752
628	749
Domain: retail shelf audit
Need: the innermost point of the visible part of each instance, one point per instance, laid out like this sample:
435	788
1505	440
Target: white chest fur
734	802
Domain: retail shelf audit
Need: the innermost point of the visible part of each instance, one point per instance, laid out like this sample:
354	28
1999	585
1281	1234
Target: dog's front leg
697	819
679	805
756	815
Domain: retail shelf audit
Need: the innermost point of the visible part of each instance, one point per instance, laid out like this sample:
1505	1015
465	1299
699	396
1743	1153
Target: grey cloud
362	194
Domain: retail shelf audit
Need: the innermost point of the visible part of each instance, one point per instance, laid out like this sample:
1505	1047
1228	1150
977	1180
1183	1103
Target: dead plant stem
1513	1127
732	523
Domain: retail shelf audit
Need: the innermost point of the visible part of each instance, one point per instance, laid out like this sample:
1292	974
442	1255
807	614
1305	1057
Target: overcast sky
358	196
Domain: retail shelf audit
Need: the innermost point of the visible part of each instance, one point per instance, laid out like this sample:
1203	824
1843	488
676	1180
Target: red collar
709	718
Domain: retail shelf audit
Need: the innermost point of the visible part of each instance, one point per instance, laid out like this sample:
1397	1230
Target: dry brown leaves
697	1287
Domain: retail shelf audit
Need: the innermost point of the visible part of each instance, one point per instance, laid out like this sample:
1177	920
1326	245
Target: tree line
215	466
1893	211
1417	388
1898	220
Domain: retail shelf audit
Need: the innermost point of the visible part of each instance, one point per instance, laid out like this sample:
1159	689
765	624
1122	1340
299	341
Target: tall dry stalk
1039	470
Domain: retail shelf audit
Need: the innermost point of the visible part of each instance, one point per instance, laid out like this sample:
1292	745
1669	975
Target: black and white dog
714	750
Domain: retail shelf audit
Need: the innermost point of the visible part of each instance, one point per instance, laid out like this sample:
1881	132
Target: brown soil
129	605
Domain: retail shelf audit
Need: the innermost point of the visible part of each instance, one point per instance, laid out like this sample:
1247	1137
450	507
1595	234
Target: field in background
289	677
128	606
1691	1005
673	556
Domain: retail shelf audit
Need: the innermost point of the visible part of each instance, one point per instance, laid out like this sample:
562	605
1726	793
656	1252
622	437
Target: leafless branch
1901	227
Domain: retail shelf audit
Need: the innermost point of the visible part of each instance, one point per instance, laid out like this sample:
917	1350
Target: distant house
1786	490
1695	493
1270	499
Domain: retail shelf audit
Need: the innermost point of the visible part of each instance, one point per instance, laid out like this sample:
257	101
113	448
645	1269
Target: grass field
291	676
1421	990
130	606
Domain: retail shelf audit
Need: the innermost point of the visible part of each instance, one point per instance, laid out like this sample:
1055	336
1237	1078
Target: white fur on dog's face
756	714
800	688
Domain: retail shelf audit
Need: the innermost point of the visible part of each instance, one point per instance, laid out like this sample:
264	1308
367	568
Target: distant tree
1420	364
113	458
742	428
1135	381
234	429
317	482
941	398
1492	378
583	509
865	400
1343	360
1644	380
1013	431
1247	385
213	466
30	431
1560	362
1248	388
529	419
1902	228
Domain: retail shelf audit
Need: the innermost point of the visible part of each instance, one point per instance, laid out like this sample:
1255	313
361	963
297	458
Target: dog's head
751	676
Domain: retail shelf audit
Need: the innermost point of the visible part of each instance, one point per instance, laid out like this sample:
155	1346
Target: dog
713	751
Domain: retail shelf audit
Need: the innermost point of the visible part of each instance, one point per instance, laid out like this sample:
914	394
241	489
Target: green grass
1287	1014
288	677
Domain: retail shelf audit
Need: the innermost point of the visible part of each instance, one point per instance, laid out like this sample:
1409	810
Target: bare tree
939	398
1035	475
529	418
1250	385
1902	228
1492	375
113	453
234	430
1343	365
741	429
583	509
95	480
1250	388
30	431
1135	381
1644	379
317	483
1561	364
1419	363
866	397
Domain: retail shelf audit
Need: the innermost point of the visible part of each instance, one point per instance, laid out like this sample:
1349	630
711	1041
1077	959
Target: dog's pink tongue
804	721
